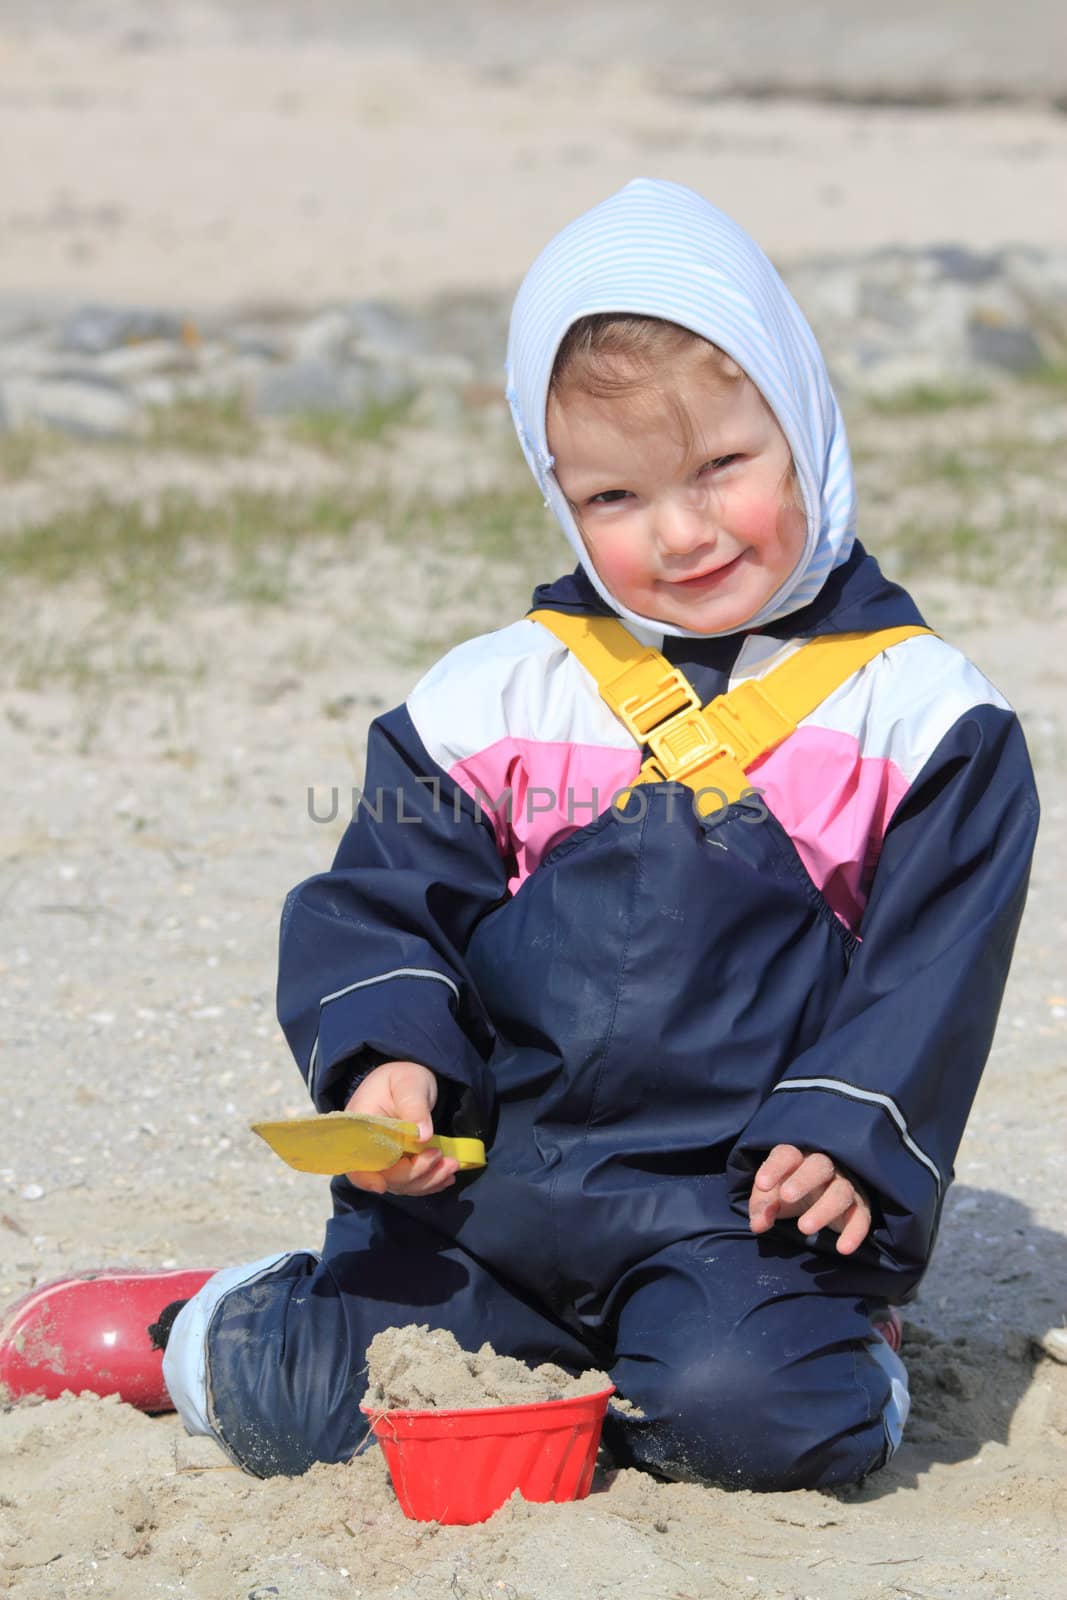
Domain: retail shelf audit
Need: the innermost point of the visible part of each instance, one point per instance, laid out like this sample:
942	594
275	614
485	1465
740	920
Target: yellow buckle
644	695
689	750
747	721
683	745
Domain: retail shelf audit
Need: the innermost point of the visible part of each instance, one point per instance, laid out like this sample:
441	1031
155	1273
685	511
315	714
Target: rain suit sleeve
371	956
887	1088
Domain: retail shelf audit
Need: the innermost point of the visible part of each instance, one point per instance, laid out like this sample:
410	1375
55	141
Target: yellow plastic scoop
342	1141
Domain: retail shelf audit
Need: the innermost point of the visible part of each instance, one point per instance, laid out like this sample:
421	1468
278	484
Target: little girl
693	894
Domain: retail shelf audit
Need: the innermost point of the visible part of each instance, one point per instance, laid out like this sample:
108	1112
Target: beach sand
154	821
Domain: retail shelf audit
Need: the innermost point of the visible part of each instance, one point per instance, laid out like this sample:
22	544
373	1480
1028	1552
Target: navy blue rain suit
663	1001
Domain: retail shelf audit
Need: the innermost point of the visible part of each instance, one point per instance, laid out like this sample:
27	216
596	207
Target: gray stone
327	337
259	341
142	360
158	391
883	303
92	329
474	325
326	386
964	266
996	344
384	332
81	405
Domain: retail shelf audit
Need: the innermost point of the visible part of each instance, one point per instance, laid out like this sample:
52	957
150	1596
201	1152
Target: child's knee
246	1365
731	1418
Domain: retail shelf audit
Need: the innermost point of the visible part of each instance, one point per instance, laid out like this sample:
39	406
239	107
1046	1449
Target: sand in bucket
463	1430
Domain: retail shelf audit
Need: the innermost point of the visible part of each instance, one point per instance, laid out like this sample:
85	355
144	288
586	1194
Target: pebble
1054	1344
887	321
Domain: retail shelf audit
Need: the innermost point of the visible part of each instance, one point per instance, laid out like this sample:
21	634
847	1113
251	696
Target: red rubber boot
93	1332
887	1322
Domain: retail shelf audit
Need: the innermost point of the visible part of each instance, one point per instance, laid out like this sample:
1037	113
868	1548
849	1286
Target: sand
154	822
420	1368
206	172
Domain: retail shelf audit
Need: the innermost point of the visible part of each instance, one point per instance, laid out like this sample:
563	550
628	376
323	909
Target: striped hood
658	249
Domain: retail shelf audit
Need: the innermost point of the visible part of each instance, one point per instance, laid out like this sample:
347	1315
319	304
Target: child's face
699	539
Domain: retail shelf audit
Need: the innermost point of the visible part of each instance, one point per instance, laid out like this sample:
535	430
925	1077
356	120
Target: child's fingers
411	1175
813	1173
856	1228
412	1103
763	1211
422	1180
835	1200
783	1160
369	1182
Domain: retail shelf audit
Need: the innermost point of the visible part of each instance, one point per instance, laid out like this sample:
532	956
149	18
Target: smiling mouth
704	579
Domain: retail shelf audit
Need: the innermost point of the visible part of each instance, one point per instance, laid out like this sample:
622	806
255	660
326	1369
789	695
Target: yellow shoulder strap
709	747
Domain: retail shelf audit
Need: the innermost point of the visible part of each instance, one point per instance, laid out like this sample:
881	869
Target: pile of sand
419	1368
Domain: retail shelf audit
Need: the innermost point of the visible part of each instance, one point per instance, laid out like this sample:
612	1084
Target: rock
964	266
472	325
93	329
318	385
259	341
143	360
1054	1344
998	344
886	305
83	405
383	332
327	337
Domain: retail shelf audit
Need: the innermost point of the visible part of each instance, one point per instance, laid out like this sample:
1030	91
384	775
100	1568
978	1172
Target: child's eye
607	497
721	461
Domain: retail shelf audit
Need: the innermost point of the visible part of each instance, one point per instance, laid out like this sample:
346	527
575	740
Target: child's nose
683	523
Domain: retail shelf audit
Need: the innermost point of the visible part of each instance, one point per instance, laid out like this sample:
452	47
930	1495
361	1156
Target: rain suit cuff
867	1135
407	1018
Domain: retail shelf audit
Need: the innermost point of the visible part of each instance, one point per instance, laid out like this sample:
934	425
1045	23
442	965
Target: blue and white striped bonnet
659	249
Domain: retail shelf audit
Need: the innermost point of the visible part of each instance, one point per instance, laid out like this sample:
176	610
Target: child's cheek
756	519
771	524
618	565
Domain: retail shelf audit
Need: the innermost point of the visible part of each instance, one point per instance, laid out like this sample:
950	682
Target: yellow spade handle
468	1152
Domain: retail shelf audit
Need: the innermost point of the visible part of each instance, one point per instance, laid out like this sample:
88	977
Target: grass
143	555
237	547
211	426
207	425
94	660
981	462
1016	557
21	451
339	433
928	399
1051	378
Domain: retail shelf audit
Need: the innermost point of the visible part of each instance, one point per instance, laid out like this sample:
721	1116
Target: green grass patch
238	547
94	661
1051	377
144	555
929	399
22	450
339	433
207	425
975	465
1017	557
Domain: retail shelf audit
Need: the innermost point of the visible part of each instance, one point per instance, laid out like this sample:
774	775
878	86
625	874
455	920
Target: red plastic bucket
461	1466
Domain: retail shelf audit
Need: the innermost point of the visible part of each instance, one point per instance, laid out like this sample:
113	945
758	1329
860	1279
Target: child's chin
720	617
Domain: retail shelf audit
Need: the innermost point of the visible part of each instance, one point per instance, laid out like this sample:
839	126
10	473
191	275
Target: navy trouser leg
285	1352
747	1375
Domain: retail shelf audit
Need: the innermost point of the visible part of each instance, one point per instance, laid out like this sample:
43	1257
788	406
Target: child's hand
408	1091
810	1188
